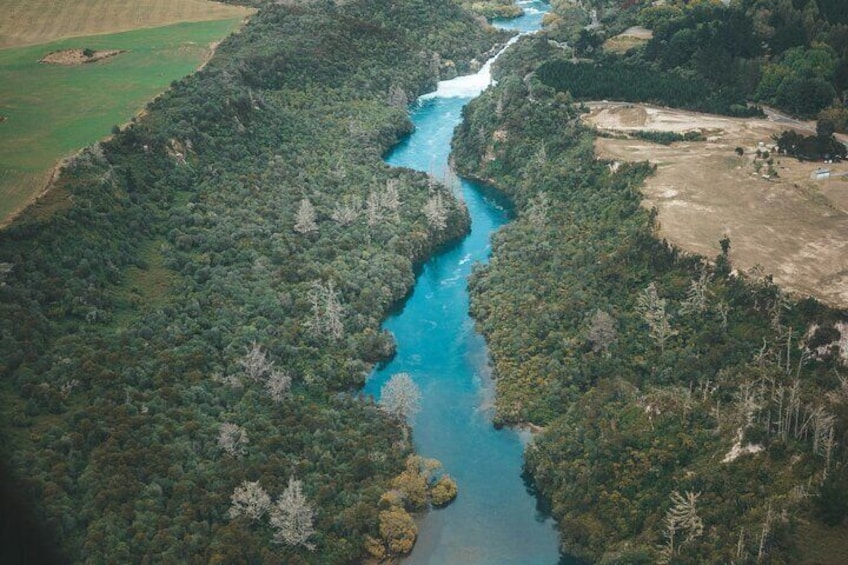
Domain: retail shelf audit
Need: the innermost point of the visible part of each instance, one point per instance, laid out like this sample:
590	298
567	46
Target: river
494	520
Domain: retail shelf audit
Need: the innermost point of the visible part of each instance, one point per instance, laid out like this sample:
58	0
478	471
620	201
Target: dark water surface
494	520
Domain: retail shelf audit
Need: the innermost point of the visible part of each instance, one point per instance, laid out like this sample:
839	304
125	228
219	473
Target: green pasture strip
51	111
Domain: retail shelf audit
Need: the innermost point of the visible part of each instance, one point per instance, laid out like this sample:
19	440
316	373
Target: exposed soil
791	226
632	37
78	56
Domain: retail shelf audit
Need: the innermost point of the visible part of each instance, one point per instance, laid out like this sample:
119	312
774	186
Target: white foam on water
468	86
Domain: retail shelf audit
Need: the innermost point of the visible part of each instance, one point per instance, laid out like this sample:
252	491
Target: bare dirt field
30	22
792	226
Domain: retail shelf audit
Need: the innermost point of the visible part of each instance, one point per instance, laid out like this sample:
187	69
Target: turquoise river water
494	520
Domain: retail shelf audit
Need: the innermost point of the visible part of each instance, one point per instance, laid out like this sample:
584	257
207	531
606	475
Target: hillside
186	317
687	412
782	222
707	55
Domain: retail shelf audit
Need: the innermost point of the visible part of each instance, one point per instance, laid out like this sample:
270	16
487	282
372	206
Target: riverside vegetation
688	413
185	315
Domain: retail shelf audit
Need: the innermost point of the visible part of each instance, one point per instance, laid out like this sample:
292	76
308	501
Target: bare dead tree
538	210
278	385
436	211
233	439
602	332
345	213
653	309
697	296
390	198
5	270
764	535
292	517
749	401
249	499
373	209
400	397
682	518
304	220
255	363
327	311
740	544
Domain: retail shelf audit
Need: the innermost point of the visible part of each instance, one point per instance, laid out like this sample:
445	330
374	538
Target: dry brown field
628	39
789	226
30	22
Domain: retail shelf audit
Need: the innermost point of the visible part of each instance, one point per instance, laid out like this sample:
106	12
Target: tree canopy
186	317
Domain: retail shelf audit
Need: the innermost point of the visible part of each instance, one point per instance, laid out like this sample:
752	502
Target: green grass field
51	111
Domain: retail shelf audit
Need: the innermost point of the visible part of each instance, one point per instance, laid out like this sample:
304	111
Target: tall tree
249	499
304	220
292	517
400	397
653	309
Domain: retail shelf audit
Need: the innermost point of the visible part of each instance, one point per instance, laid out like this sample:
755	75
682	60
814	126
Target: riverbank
185	315
645	365
494	519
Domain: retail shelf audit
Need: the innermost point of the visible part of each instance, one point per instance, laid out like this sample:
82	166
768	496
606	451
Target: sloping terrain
789	225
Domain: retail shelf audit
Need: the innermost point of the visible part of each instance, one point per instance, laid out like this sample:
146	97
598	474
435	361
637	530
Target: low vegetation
53	111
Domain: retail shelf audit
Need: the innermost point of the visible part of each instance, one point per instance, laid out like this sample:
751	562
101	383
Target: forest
187	316
709	55
687	412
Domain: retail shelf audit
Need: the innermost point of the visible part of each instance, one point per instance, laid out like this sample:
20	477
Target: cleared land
791	226
628	39
77	56
29	22
48	112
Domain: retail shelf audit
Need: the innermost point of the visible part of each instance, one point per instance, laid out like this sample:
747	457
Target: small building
820	174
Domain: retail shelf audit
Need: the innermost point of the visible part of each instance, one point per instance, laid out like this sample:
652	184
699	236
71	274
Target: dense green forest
709	55
185	318
688	413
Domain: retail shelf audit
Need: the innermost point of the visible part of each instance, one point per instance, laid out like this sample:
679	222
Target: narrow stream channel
494	520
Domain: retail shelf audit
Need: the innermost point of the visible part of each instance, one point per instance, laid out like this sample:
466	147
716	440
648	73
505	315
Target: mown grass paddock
48	112
30	22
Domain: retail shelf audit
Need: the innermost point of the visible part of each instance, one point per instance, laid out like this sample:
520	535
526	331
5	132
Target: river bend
494	520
